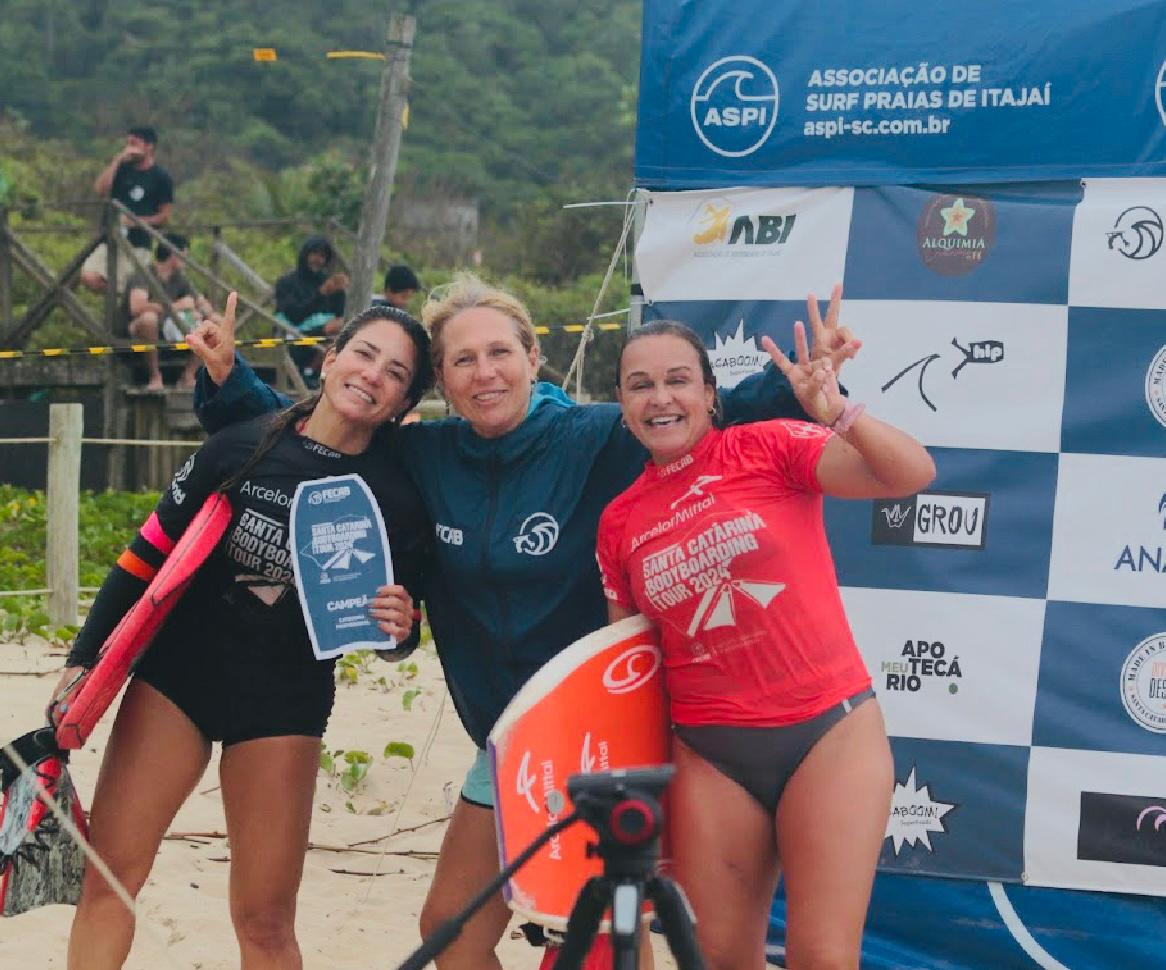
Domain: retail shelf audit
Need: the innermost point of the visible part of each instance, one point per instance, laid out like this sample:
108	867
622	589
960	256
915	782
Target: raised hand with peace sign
814	377
213	341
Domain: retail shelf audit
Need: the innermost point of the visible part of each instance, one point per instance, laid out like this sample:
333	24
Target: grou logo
952	520
734	105
1137	233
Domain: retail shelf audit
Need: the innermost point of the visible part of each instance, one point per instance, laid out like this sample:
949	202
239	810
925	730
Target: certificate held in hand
340	557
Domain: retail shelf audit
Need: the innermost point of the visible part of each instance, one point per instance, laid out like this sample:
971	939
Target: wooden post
374	212
5	274
110	227
63	496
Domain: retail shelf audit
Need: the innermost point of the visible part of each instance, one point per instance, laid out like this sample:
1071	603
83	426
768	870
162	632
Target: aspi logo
915	815
524	783
713	227
734	105
1160	92
537	535
1137	233
976	352
696	489
632	669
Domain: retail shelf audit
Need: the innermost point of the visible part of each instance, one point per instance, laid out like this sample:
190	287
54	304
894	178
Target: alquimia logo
734	105
1127	829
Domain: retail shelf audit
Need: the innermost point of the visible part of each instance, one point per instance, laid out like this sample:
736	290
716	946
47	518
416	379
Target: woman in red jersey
783	763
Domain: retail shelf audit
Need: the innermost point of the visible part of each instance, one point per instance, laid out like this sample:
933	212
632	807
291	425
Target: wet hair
674	328
422	381
145	133
173	241
466	292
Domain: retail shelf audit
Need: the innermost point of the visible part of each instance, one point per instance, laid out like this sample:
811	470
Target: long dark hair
674	328
422	381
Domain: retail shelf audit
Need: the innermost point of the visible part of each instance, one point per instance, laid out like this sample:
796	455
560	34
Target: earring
713	410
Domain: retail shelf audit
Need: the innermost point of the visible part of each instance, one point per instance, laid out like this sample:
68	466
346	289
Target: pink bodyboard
93	693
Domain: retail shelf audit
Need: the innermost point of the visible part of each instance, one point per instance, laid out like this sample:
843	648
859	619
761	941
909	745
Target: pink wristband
844	421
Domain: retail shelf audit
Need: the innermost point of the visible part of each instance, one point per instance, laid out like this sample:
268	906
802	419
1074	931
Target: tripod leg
583	923
627	903
678	922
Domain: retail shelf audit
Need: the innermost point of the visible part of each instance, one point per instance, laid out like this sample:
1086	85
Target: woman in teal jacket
515	487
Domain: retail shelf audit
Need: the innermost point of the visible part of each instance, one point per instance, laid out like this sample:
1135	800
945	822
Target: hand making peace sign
213	341
814	378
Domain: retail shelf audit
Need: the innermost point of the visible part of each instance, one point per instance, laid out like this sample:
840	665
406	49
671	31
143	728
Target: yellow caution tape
257	343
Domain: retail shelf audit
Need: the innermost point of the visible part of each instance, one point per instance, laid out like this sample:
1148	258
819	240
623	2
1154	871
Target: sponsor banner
768	244
1109	531
1115	381
341	556
998	244
956	809
961	375
950	667
1102	681
732	331
1118	234
759	92
984	526
1096	821
915	921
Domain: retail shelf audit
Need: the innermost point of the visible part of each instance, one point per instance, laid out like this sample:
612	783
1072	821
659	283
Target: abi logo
734	105
746	230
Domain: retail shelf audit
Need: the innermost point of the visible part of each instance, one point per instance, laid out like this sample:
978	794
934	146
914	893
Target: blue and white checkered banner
1013	615
821	92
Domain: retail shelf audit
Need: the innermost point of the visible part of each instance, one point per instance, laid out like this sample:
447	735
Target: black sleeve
163	189
125	583
298	300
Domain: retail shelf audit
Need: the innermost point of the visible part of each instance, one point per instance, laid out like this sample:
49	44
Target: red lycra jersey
725	550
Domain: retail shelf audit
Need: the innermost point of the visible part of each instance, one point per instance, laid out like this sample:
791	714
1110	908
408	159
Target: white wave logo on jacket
537	535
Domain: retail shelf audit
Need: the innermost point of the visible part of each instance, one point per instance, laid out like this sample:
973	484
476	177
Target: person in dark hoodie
311	299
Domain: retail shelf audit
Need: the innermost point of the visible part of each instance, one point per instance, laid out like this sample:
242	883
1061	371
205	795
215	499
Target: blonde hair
466	292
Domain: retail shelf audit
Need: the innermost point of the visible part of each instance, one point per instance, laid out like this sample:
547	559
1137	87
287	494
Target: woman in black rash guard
233	662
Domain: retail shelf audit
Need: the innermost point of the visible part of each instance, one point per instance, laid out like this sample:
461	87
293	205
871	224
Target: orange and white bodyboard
598	705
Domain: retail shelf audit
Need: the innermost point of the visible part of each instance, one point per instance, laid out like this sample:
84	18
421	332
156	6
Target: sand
348	917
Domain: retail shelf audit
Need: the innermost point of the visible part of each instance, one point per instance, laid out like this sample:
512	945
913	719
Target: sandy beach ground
363	885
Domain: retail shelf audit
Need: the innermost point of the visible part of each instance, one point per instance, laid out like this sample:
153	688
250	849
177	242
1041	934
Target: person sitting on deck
311	298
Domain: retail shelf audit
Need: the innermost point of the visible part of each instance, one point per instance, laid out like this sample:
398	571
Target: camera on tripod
623	807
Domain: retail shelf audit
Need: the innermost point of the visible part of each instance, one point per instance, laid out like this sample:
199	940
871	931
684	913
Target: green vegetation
106	522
